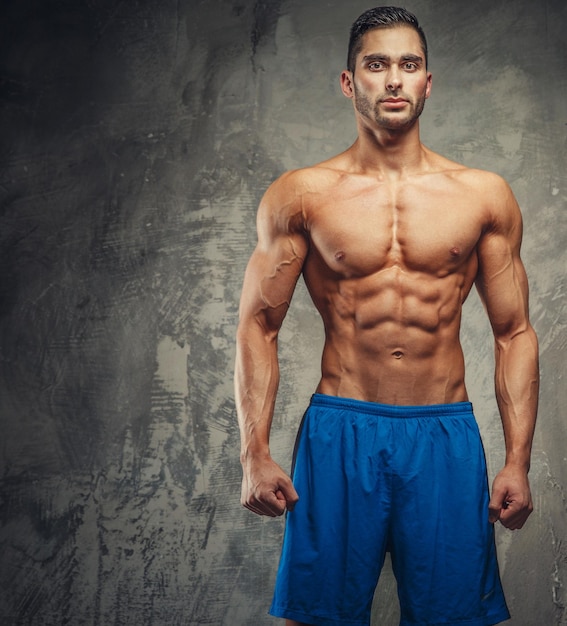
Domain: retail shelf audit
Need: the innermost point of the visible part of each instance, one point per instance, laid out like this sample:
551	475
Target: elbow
519	339
252	330
512	330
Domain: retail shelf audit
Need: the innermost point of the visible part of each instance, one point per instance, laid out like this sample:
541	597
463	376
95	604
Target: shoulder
287	195
501	214
500	206
493	195
298	182
282	208
481	181
485	184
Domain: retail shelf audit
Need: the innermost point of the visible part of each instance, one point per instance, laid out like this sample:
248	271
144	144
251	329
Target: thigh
335	537
442	543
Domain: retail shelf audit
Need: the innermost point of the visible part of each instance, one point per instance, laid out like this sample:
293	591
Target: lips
394	104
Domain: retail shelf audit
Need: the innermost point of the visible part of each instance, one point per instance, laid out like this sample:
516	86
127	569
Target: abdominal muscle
392	338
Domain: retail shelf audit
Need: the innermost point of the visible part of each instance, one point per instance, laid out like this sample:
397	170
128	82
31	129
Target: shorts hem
315	620
487	620
322	620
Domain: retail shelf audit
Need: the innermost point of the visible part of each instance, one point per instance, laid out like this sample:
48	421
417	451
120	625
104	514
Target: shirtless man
389	238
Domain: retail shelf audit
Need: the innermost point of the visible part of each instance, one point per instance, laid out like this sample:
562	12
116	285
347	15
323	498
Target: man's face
390	83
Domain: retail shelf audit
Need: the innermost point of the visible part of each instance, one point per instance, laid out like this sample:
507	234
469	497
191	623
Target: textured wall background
137	139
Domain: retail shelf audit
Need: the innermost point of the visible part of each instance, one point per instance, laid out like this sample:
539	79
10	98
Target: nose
394	78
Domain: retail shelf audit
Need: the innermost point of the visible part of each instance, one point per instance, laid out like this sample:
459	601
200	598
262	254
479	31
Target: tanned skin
390	238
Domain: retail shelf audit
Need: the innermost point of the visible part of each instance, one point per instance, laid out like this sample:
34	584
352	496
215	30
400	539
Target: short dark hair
381	17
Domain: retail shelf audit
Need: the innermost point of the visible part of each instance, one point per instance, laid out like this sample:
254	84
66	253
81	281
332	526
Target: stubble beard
399	120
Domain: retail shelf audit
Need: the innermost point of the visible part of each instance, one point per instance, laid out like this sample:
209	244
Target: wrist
517	463
251	454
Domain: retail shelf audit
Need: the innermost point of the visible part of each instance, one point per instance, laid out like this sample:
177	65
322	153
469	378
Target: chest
360	231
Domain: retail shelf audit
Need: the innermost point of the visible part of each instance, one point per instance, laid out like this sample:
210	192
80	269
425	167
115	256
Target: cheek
367	90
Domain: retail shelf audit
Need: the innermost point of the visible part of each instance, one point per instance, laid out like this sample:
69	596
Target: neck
389	152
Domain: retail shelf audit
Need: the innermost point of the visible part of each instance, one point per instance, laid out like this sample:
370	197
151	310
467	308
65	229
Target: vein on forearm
517	388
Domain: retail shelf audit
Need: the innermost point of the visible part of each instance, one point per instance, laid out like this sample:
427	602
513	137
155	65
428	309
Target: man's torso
389	265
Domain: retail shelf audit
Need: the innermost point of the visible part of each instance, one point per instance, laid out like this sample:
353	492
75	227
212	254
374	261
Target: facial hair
394	121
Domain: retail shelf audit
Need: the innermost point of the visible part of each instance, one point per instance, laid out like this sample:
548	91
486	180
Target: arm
503	288
269	283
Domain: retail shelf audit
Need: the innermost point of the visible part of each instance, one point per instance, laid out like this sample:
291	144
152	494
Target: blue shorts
373	478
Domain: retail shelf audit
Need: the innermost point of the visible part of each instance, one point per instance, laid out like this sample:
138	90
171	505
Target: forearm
517	388
256	383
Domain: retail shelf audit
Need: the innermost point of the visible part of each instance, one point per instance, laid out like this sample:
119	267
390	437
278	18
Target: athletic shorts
373	478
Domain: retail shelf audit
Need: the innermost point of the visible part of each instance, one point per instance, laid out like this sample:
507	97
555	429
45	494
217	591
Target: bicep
501	280
277	261
270	279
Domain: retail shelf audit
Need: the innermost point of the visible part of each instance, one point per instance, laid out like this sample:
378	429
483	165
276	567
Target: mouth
394	103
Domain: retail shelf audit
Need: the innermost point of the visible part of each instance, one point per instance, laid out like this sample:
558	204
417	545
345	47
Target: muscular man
389	238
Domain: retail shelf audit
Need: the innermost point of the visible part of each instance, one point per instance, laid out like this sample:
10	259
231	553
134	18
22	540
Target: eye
376	66
410	66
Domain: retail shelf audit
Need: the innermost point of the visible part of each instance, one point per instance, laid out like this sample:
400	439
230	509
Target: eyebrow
384	57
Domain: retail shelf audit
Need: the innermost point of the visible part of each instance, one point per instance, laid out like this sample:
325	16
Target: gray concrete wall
137	139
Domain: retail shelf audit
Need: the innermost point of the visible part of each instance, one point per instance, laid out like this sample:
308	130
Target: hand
511	500
266	488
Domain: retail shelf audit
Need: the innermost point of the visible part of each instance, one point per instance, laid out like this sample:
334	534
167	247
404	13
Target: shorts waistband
392	410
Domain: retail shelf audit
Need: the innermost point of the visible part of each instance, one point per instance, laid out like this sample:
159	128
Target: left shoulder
489	185
493	194
482	182
502	217
502	209
497	198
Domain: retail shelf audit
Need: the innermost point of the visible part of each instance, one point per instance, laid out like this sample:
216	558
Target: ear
347	83
428	86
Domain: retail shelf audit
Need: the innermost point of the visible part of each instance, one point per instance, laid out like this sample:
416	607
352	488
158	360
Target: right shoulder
285	199
295	184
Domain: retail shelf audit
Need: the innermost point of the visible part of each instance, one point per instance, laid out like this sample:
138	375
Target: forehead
394	42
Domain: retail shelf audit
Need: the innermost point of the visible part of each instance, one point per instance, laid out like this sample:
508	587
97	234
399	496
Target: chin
396	124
